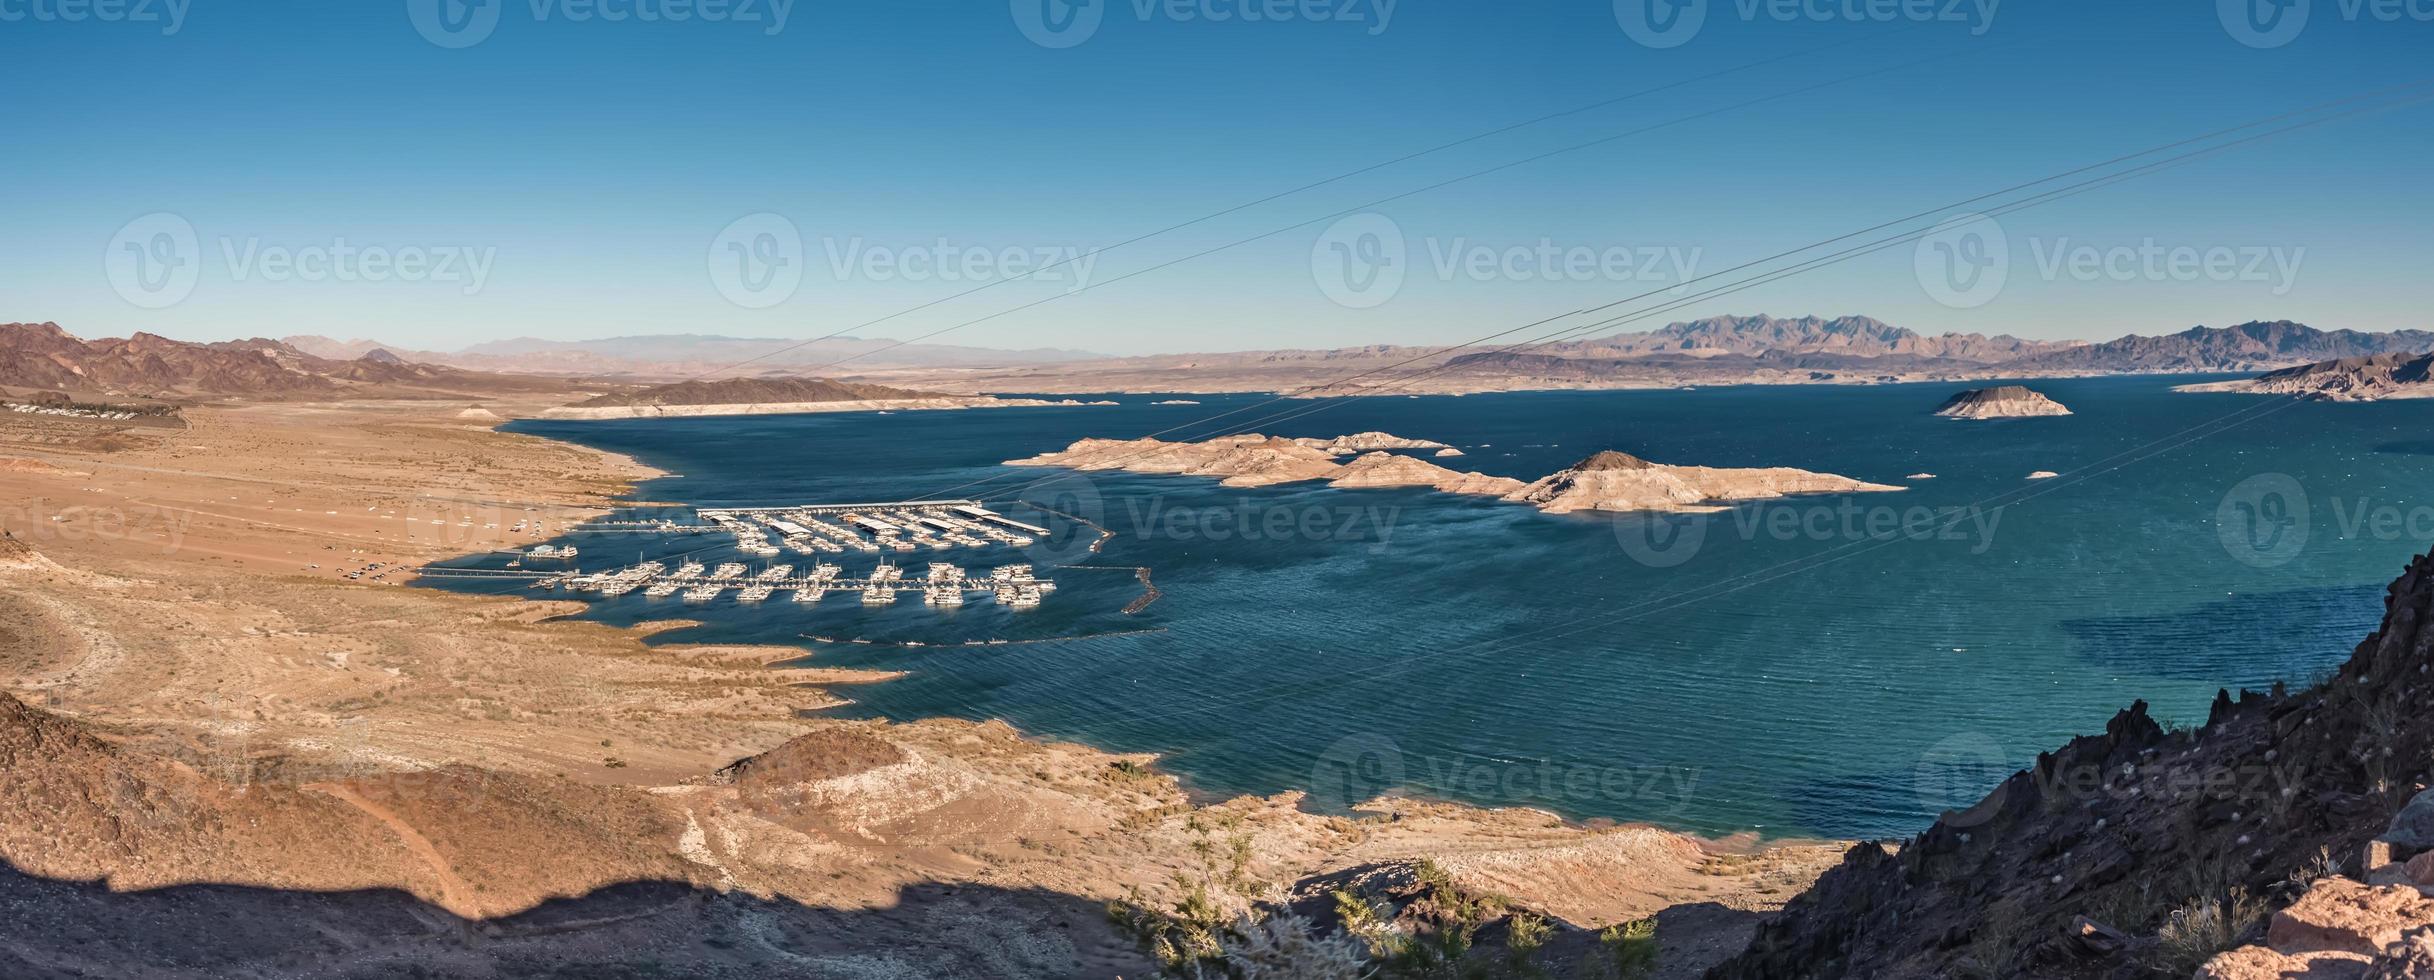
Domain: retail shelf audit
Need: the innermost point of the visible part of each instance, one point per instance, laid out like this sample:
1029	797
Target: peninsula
775	396
2347	379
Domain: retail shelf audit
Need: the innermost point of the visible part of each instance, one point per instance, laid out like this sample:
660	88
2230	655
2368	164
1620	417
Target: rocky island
2002	402
1608	481
2349	379
1614	481
1258	461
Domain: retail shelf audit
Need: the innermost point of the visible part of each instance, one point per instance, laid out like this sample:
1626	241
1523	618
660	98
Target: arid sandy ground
184	595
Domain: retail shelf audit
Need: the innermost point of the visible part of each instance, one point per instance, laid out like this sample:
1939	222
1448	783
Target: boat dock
944	584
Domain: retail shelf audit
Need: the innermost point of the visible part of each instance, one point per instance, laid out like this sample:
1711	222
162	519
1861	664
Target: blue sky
570	176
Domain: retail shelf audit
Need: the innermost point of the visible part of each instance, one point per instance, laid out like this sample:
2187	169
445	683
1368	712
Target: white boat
703	593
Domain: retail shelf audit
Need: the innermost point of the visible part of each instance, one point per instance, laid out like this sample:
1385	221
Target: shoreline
231	643
1156	760
571	413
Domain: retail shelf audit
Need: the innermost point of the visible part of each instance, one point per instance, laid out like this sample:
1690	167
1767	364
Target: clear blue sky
592	165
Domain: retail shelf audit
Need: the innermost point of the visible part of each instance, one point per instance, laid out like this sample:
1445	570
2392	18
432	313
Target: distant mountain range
752	391
1854	335
1724	348
43	356
1718	350
685	355
2247	347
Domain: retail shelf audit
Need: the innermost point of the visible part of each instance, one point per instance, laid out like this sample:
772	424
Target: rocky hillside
1855	335
43	356
683	355
2246	347
2348	379
2144	851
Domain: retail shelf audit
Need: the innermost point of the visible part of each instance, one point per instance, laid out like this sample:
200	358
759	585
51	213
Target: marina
877	529
943	584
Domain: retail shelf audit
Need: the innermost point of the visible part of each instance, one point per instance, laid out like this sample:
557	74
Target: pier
944	585
811	530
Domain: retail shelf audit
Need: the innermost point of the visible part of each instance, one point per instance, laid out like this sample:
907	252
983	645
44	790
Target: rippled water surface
1775	667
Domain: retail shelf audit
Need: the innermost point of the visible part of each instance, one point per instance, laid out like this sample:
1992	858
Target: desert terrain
223	710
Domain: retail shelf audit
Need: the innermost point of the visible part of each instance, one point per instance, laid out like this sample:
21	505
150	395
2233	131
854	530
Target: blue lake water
1799	667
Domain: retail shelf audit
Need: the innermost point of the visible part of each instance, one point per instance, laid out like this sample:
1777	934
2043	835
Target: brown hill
2246	347
41	355
2000	402
1854	335
2369	378
752	391
2138	829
